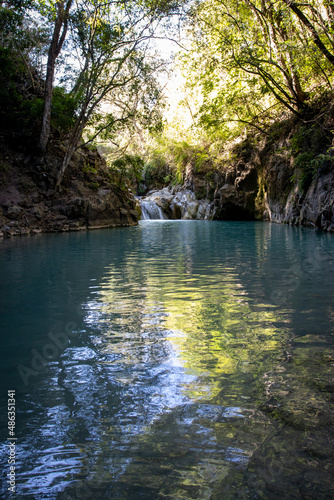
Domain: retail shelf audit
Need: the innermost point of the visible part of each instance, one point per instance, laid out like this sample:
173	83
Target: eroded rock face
249	191
70	214
233	192
286	203
226	196
271	191
28	205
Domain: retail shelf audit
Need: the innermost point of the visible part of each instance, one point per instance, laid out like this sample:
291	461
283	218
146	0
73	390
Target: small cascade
150	210
175	203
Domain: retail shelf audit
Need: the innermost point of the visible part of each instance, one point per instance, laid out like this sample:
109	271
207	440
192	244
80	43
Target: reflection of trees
160	393
171	329
225	332
222	334
217	328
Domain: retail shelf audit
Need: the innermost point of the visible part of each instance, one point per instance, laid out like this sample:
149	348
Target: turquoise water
172	360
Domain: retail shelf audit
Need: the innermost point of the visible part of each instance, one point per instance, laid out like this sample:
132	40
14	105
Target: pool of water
172	360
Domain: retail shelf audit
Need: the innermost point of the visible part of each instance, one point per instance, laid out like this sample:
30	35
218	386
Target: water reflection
185	379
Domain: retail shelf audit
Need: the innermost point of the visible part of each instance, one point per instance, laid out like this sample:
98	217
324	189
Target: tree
116	64
252	56
57	41
311	27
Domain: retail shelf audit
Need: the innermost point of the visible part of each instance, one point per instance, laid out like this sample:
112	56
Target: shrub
63	109
309	165
126	169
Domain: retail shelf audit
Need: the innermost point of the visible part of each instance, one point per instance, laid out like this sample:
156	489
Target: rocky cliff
284	176
87	199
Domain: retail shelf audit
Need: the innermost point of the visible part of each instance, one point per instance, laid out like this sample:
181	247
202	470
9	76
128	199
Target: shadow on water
191	359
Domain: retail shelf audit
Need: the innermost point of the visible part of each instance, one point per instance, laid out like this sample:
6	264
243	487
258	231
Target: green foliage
20	108
171	154
308	144
157	171
89	169
34	107
308	138
251	60
63	109
305	162
309	165
10	20
126	169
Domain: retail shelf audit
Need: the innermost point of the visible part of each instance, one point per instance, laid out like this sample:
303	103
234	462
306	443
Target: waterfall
175	203
150	210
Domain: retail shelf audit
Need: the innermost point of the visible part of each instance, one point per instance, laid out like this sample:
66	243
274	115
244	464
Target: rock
247	181
30	203
8	231
176	211
230	176
35	197
134	215
37	212
14	212
191	211
176	204
57	226
76	208
233	204
58	209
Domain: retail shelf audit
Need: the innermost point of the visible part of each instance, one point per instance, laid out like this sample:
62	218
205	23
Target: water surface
172	360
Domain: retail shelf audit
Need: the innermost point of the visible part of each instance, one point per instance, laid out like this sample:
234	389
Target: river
171	360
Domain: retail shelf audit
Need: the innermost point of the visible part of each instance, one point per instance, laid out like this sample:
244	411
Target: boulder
13	212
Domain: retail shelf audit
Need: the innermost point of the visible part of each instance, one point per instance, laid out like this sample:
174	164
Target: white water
150	210
177	204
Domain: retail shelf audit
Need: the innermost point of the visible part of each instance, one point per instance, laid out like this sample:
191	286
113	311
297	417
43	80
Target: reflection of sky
136	353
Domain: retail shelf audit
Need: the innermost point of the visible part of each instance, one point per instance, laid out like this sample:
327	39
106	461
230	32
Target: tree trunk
67	158
54	50
311	28
46	123
71	148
